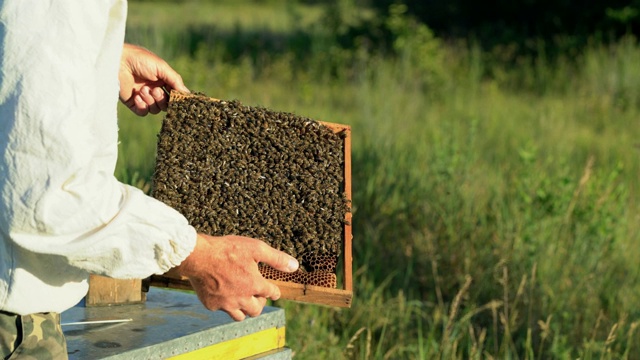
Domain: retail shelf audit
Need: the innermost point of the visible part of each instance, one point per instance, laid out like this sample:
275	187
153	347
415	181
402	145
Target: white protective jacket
63	214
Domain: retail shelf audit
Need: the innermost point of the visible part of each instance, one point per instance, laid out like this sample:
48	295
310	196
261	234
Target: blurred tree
499	21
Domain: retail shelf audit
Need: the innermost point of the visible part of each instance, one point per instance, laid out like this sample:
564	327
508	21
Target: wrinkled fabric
63	214
32	337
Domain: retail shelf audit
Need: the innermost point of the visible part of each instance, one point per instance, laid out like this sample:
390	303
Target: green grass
224	15
494	216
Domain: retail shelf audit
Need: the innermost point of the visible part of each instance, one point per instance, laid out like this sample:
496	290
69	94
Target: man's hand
142	78
224	273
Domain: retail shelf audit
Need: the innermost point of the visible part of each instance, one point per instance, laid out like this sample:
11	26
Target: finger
160	97
145	94
261	300
149	100
154	108
277	259
139	107
254	306
268	290
275	295
236	315
172	78
147	97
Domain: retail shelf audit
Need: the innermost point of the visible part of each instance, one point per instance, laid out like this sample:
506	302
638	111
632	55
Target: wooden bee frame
338	297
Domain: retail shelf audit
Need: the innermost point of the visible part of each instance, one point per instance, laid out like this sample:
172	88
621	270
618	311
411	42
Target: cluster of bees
251	171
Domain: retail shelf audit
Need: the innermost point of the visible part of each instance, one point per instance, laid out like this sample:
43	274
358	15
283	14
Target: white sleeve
59	61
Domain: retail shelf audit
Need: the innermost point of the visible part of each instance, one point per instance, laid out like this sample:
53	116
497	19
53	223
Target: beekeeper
63	214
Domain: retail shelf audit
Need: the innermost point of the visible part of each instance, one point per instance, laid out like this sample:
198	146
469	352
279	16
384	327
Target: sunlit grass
224	15
493	217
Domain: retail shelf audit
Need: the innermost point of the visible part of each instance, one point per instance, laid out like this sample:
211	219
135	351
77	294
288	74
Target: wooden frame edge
290	290
314	294
348	235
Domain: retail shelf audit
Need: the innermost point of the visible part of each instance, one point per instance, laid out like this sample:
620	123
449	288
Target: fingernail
293	264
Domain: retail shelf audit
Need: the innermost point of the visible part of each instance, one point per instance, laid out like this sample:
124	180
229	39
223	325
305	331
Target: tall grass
495	208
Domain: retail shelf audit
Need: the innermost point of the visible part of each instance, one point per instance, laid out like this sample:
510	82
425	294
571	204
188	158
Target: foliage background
495	163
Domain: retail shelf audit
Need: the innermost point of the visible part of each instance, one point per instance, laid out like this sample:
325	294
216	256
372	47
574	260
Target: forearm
59	139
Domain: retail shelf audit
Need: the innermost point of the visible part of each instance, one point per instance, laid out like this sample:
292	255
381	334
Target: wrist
188	266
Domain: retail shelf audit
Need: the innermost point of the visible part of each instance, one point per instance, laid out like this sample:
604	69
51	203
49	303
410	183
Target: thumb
277	259
171	77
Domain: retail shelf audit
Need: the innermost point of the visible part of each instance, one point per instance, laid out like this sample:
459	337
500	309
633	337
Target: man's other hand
143	79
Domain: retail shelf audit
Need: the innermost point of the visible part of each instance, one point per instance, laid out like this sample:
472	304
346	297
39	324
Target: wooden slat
105	291
314	294
348	237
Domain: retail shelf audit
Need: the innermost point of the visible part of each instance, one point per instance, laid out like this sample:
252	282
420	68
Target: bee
266	174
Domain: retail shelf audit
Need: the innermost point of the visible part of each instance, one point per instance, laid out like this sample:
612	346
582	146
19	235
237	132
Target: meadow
495	203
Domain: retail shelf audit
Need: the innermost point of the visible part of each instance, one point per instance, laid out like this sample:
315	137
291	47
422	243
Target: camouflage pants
35	336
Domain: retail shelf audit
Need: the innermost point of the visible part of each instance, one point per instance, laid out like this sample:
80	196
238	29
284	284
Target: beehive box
274	176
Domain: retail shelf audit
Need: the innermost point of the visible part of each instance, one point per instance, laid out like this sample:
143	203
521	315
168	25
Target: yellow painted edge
239	348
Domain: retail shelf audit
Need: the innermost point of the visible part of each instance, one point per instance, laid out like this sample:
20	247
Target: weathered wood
104	291
314	294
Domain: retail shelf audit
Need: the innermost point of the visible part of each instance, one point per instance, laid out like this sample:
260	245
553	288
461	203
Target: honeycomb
316	278
321	271
251	171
